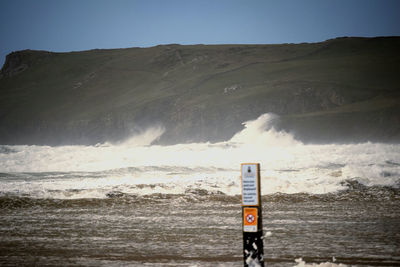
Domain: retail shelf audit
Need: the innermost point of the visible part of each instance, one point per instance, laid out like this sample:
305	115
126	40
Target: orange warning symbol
250	216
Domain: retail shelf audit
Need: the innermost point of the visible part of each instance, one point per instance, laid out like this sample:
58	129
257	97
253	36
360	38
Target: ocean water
136	204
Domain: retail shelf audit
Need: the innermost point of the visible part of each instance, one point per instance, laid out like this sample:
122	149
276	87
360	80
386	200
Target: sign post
253	249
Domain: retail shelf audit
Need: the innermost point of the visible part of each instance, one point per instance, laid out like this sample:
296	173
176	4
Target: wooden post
253	249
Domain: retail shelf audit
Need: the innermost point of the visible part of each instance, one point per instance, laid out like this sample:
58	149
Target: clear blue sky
73	25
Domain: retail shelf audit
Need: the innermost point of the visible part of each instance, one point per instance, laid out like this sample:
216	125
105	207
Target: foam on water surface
136	167
301	263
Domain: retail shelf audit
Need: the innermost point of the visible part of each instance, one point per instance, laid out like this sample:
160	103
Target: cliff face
341	90
17	62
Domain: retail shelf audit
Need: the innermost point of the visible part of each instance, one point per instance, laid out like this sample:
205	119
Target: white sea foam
288	166
301	263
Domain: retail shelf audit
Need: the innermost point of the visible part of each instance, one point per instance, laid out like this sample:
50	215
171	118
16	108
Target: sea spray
144	138
135	167
261	132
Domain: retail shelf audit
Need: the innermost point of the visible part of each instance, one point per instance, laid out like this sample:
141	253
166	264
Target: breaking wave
135	167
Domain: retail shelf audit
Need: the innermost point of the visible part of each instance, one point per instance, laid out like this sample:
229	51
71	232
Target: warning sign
250	185
250	219
252	214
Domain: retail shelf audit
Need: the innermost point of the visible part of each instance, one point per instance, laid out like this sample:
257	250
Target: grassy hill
340	90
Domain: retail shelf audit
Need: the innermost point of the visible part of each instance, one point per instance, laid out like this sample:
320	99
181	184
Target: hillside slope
340	90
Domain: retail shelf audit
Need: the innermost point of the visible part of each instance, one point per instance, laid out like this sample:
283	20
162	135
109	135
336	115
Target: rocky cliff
340	90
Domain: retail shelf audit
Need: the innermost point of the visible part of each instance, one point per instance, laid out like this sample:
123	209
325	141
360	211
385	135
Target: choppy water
139	205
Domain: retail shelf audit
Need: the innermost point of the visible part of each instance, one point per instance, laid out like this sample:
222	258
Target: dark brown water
200	229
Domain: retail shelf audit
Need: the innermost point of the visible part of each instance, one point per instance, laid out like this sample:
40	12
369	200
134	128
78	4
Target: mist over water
137	167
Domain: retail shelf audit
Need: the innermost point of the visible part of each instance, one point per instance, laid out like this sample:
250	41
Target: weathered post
253	249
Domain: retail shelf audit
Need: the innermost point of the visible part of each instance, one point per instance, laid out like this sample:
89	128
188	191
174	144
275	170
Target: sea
136	204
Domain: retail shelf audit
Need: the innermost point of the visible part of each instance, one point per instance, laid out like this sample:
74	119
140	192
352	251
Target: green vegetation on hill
340	90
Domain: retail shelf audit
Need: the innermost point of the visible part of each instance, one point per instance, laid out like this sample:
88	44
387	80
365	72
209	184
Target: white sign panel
250	228
249	185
